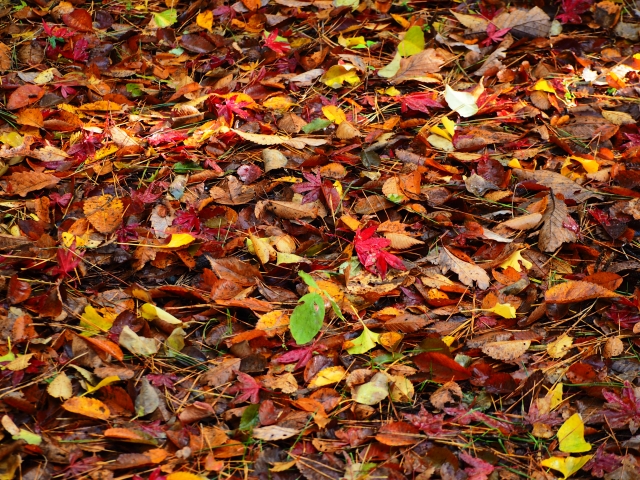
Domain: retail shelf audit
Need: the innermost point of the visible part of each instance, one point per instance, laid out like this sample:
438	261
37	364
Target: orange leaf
397	434
24	95
104	212
105	346
89	407
576	291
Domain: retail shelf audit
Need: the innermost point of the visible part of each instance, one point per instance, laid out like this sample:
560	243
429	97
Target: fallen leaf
571	435
573	291
88	407
507	350
467	273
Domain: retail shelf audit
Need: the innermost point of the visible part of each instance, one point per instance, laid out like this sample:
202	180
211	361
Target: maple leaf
466	416
371	254
68	260
312	188
230	107
187	220
634	140
301	355
78	465
432	425
249	387
166	136
61	200
603	462
419	102
479	470
624	409
278	46
494	35
163	380
573	9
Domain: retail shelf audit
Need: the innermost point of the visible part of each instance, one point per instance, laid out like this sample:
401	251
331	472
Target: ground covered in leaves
330	239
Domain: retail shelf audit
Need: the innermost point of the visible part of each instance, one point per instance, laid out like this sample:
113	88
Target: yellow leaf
103	383
100	106
20	363
392	92
566	465
288	180
89	407
13	139
278	103
439	131
514	261
151	312
205	19
571	435
363	343
412	43
328	376
337	75
560	346
505	310
335	114
544	86
555	396
448	340
60	387
591	166
260	248
449	126
514	163
351	42
178	240
93	322
105	151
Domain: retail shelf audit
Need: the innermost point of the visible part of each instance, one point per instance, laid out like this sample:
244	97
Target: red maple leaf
622	410
277	46
249	387
419	102
479	470
432	425
603	462
573	9
301	355
68	260
311	188
494	35
371	254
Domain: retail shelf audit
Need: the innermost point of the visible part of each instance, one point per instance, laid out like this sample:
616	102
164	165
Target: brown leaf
22	183
553	232
441	367
575	291
523	222
608	280
196	43
450	392
396	434
5	57
612	347
532	23
507	350
467	272
406	323
235	193
288	210
559	183
419	65
24	95
371	204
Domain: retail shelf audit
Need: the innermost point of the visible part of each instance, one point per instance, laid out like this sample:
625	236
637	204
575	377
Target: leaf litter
331	239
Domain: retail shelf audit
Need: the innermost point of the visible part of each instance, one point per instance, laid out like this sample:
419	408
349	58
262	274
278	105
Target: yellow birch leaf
337	75
335	114
392	92
441	132
514	163
151	312
404	23
60	387
185	476
514	261
560	346
555	396
274	323
566	465
571	436
103	383
363	343
328	376
93	322
350	222
544	86
278	103
449	126
448	340
591	166
178	240
505	310
205	19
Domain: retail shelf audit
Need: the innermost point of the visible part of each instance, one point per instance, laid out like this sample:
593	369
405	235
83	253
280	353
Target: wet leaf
88	407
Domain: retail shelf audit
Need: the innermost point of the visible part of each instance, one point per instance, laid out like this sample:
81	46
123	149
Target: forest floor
330	239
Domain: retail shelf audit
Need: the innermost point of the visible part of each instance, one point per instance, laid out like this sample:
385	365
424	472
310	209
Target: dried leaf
467	272
573	291
507	351
89	407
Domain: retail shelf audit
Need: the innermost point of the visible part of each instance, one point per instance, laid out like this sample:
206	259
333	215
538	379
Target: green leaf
166	18
365	342
249	417
175	342
315	125
307	317
412	43
134	89
182	168
308	279
29	437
